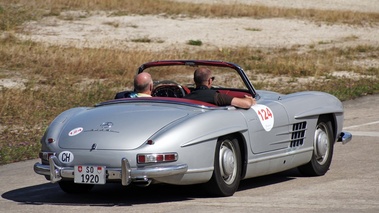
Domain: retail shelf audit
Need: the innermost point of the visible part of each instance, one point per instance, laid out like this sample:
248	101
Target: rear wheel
322	150
73	188
227	168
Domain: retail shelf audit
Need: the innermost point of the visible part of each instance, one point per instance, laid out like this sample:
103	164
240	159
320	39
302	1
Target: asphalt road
351	185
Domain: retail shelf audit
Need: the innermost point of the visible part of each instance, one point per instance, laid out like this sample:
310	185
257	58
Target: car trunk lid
117	126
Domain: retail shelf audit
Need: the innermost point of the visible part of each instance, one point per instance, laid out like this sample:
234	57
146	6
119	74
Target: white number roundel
265	115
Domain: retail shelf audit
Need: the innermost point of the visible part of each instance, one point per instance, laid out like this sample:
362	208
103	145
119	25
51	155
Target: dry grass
15	12
58	78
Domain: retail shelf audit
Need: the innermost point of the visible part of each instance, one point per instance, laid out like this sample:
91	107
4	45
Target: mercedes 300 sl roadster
173	140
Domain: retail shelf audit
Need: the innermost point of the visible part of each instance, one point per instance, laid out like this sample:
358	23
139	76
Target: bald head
143	83
202	75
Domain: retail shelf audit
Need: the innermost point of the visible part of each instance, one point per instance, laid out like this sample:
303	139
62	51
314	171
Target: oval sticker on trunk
75	131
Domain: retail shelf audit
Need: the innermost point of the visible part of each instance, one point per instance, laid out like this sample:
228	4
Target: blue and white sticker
75	131
265	115
66	157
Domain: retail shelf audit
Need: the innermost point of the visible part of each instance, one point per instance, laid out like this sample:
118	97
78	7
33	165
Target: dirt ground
166	33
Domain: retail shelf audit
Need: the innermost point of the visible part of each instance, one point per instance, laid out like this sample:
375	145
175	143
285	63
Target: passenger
203	79
143	84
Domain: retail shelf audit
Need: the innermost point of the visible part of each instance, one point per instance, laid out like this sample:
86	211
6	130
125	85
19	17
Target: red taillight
141	158
171	157
46	155
157	158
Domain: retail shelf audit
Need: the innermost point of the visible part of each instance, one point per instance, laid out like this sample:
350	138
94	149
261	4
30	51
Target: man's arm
244	103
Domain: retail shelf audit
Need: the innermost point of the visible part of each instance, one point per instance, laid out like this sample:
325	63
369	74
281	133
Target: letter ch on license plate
89	174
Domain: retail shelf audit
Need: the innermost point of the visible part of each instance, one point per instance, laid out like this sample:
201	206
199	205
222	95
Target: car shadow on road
267	180
114	194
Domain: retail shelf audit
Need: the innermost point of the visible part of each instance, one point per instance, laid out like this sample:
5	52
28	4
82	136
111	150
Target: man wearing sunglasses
203	79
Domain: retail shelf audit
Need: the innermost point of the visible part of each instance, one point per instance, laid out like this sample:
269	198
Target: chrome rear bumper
344	137
126	174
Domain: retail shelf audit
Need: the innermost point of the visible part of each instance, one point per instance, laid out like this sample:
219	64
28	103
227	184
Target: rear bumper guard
126	174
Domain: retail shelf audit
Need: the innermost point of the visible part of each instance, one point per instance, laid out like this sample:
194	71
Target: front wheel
322	150
227	168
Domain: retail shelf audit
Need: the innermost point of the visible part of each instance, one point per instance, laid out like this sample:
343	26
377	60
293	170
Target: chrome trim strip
209	169
290	152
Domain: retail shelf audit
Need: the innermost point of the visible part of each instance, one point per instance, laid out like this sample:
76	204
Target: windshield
226	78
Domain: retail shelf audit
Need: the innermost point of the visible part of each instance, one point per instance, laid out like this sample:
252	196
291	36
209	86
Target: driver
143	84
203	79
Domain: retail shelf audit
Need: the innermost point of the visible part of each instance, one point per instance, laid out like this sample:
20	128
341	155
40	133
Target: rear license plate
89	174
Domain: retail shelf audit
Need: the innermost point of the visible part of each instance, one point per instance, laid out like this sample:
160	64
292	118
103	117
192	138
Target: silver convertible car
173	140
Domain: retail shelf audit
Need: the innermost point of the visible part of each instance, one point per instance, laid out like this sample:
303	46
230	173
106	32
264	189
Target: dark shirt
205	94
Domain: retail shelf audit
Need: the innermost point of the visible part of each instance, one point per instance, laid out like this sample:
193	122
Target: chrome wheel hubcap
228	167
322	145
